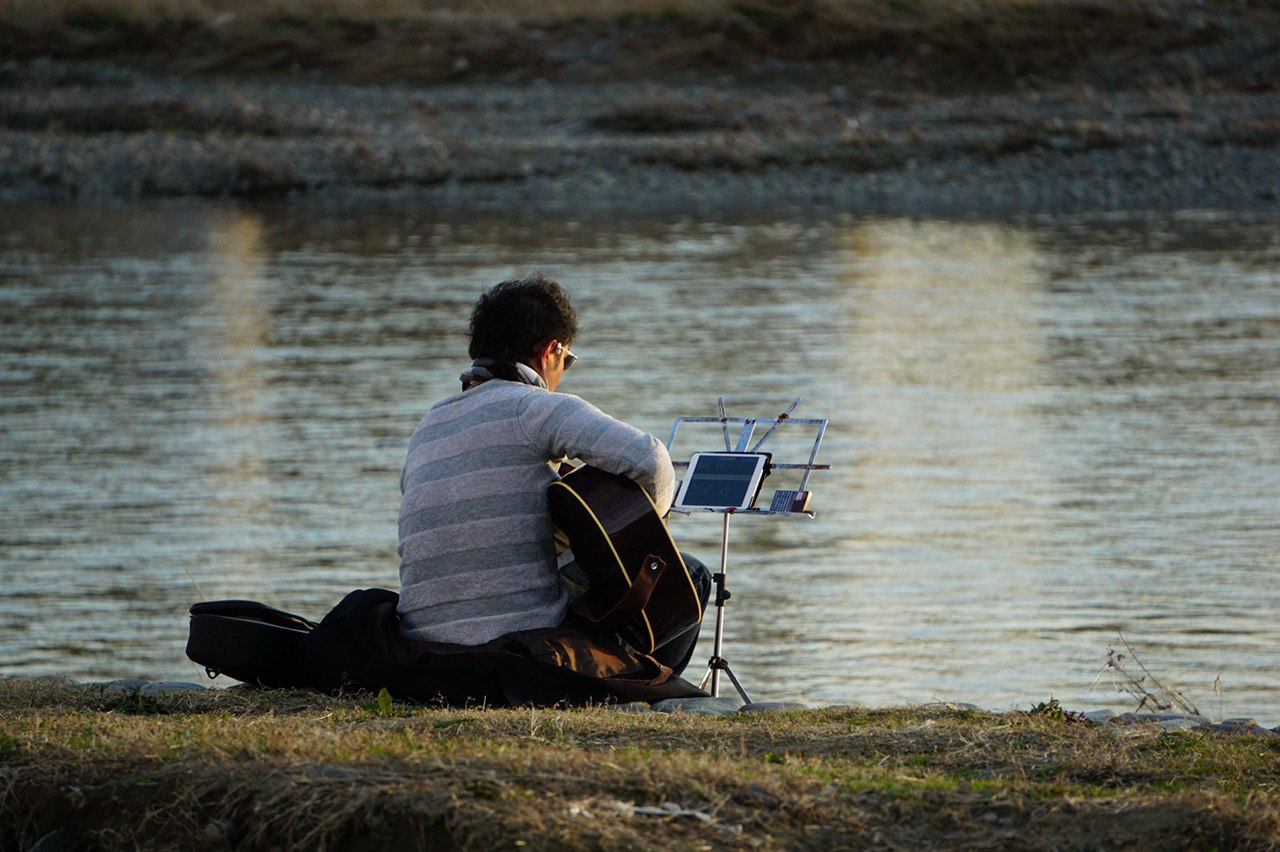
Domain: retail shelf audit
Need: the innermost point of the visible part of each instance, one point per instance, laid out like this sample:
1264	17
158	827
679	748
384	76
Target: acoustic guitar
640	587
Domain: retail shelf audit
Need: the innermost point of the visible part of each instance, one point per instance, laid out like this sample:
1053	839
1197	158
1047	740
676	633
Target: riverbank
1050	106
209	769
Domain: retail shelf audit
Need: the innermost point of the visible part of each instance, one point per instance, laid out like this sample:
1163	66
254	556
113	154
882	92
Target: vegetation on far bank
287	769
1007	104
936	45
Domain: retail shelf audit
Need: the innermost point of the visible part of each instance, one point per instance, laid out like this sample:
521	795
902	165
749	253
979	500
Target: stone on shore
1158	718
771	706
1179	724
1243	726
126	686
699	706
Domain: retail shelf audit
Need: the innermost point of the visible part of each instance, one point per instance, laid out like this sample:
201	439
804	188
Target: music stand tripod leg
718	663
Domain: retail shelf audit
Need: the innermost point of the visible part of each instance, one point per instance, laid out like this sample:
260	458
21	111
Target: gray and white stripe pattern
477	556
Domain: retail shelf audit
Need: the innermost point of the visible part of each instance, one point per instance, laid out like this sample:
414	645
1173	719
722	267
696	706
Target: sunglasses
569	357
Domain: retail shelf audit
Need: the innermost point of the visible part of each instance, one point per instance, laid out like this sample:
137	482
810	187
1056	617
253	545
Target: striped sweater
477	553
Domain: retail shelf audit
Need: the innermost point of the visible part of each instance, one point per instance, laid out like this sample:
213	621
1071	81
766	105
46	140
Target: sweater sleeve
568	426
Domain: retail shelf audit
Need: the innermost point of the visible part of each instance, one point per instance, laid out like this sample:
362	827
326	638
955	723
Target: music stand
794	503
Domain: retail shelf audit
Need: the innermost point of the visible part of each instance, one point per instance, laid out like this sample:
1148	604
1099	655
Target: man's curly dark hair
512	320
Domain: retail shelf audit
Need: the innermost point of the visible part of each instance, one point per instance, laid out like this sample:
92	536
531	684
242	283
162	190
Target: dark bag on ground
249	641
358	646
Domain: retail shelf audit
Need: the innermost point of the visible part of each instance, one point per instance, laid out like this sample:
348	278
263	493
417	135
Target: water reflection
231	346
1043	432
938	356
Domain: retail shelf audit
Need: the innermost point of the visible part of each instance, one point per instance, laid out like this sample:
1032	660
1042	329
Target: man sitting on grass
477	546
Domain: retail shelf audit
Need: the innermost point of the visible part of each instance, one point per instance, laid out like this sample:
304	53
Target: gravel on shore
99	131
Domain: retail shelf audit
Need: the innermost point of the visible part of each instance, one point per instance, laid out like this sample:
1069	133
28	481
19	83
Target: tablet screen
722	480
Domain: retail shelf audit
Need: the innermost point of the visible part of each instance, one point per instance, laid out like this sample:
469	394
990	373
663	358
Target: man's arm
569	426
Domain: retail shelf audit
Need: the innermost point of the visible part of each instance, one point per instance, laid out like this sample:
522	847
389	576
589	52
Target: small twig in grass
1146	687
192	578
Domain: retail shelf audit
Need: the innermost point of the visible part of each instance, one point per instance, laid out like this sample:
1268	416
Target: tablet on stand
722	481
729	482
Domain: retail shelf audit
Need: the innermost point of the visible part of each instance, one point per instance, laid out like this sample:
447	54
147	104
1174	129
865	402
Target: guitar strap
630	604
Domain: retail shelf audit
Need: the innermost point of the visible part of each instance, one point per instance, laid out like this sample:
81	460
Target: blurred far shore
943	105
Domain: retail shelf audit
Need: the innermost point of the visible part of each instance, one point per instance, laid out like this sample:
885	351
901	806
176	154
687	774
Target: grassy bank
270	770
935	45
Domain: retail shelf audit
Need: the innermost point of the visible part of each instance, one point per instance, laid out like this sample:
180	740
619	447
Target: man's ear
545	351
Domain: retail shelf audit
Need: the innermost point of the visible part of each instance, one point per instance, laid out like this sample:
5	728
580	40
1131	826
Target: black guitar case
249	641
358	647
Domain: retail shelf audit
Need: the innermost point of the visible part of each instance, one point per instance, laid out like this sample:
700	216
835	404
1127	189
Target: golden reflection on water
944	336
235	257
963	295
230	349
938	446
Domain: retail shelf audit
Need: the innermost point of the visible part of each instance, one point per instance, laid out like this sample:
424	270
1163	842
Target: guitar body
640	587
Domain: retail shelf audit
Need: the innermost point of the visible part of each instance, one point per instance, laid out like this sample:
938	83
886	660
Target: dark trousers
676	652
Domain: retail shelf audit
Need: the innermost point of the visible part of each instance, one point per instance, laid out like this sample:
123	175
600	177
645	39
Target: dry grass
275	770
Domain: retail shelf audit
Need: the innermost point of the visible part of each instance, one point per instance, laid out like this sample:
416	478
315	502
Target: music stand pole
717	662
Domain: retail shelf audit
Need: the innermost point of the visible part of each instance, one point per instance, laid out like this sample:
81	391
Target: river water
1045	433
